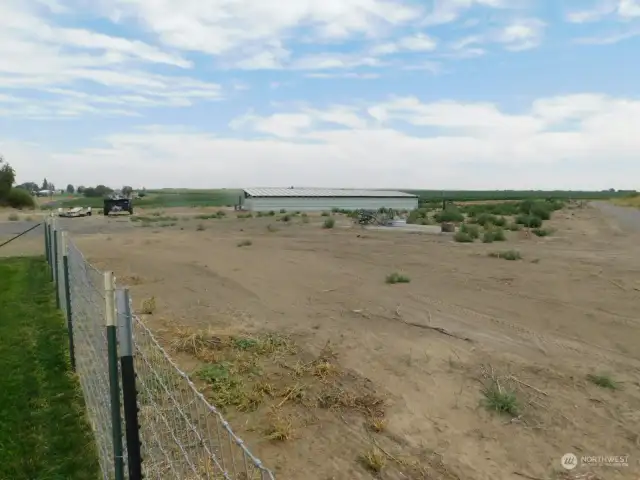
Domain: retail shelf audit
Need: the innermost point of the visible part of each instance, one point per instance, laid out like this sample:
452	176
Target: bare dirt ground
537	327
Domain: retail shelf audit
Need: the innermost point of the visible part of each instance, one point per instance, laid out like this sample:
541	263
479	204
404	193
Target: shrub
485	219
305	219
540	209
449	215
417	216
20	198
13	217
325	214
397	278
541	232
245	243
335	210
507	255
285	218
488	237
283	210
329	223
463	237
530	221
500	222
514	227
472	230
271	213
498	235
501	400
604	381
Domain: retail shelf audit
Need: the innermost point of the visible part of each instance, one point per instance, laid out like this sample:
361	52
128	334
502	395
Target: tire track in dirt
561	342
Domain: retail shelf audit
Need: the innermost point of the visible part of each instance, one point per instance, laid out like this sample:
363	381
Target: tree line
9	195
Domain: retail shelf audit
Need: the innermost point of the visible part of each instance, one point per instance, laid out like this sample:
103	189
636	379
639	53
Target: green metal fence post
51	227
56	272
129	393
67	296
47	248
112	348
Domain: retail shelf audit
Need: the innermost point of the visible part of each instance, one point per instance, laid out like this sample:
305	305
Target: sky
431	94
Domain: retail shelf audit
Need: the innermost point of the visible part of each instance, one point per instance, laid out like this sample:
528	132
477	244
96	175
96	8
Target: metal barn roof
324	192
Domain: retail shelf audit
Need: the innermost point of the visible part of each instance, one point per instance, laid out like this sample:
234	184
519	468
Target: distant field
44	433
474	195
180	197
628	201
165	198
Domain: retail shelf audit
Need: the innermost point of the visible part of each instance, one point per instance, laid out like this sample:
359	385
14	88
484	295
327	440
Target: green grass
500	400
507	255
164	198
604	381
44	433
395	277
463	237
436	196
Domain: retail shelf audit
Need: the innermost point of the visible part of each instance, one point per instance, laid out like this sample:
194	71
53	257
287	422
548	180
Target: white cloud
576	141
522	34
629	8
622	9
446	11
609	38
416	43
219	27
516	35
35	53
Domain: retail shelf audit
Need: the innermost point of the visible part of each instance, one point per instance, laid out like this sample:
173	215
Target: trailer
74	212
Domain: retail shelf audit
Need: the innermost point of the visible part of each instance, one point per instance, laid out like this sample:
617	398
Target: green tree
7	179
127	191
70	189
45	185
29	186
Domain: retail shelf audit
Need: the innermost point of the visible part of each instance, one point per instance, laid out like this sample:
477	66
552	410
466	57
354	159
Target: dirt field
389	383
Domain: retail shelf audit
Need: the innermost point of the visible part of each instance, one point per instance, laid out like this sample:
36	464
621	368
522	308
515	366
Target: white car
74	212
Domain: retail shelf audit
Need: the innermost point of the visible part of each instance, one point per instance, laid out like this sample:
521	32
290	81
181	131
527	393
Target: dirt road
627	217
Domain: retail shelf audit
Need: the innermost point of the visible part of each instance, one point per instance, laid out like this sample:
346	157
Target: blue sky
365	93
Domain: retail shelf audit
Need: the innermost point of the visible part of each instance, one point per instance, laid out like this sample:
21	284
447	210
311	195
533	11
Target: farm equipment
74	212
381	217
117	204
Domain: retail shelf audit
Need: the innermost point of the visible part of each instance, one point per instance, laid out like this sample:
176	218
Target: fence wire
92	361
183	436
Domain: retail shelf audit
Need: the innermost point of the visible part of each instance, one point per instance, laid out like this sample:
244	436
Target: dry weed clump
279	428
269	374
148	306
374	460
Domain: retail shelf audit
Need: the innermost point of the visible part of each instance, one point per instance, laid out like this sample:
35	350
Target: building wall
313	204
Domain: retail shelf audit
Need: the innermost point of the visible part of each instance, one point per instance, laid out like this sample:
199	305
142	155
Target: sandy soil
538	326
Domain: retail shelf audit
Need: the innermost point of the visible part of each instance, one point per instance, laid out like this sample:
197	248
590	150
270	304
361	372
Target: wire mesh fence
91	352
182	435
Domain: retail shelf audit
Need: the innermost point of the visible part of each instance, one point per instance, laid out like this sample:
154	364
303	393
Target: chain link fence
149	419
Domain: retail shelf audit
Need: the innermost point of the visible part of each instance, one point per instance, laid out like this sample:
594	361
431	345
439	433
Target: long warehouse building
318	199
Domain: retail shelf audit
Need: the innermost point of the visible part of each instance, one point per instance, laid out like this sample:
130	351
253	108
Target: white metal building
318	199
